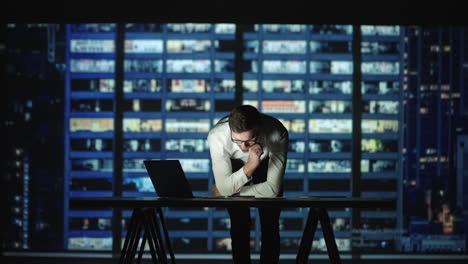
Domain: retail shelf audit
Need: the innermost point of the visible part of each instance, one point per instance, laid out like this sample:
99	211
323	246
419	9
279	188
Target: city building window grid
176	73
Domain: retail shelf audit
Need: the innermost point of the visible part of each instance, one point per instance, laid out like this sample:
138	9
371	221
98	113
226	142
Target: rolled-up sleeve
272	187
227	182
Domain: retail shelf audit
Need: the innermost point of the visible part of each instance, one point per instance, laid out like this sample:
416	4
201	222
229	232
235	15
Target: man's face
245	140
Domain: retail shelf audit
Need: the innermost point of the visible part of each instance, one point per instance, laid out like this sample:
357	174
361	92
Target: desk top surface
283	202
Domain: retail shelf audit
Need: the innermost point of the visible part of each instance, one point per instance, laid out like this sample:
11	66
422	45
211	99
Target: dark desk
148	218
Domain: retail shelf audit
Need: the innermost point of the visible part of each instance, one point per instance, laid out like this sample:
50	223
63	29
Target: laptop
168	178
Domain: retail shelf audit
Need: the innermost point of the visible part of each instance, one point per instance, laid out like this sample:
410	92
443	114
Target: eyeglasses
247	143
250	142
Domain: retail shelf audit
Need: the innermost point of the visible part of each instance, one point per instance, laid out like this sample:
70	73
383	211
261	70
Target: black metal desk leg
133	245
142	247
307	237
157	225
329	237
153	228
166	234
136	217
151	241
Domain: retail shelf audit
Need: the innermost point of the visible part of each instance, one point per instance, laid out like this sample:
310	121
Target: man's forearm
249	168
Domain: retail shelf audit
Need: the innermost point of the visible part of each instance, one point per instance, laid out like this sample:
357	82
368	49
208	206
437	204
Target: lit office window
187	85
284	47
92	46
187	45
144	46
92	65
91	124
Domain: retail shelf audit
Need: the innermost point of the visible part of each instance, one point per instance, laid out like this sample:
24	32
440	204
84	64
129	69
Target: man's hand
255	152
215	191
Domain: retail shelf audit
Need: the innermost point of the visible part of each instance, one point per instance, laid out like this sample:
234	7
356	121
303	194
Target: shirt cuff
242	178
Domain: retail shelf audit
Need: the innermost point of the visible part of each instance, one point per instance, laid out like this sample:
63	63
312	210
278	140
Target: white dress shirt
272	136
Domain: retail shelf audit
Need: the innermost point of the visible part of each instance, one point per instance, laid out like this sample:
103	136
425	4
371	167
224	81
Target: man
248	153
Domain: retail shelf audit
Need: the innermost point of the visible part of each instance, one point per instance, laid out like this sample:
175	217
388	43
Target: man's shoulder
271	122
219	130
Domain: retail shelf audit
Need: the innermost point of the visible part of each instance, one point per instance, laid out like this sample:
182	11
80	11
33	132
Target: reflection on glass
91	124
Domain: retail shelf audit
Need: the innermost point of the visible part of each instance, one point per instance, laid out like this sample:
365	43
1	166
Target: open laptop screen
168	178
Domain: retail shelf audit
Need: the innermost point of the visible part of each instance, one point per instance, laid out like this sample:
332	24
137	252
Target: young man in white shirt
248	152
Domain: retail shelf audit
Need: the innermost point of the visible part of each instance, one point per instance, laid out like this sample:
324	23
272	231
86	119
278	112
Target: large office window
180	79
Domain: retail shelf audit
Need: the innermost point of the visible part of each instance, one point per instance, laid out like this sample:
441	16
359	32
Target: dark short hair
244	118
